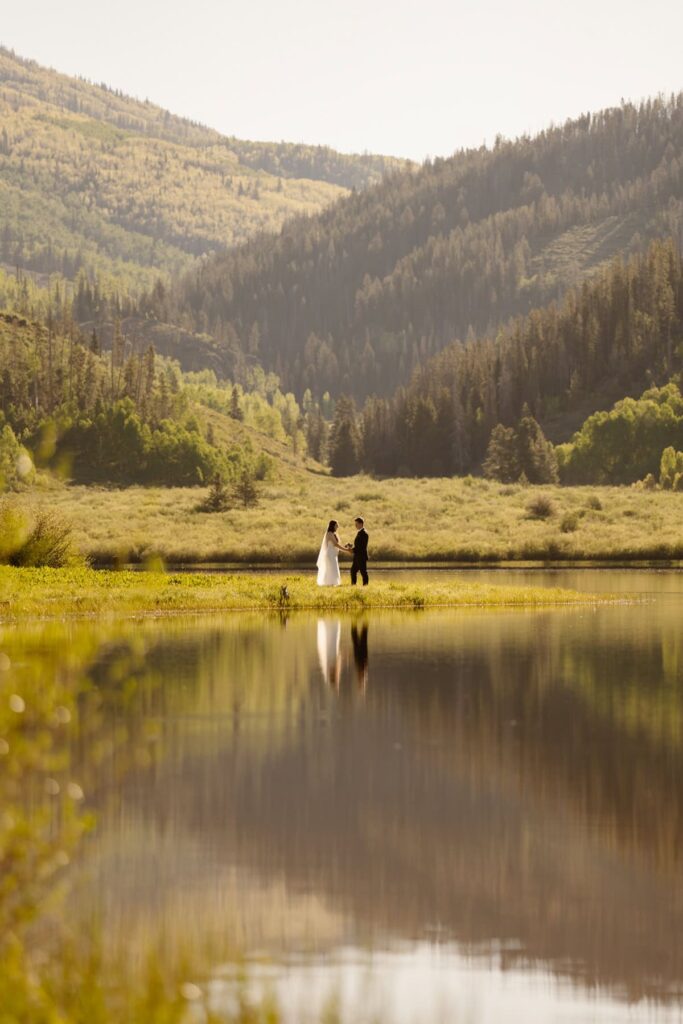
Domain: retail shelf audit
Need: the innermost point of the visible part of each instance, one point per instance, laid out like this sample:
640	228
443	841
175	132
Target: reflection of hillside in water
512	777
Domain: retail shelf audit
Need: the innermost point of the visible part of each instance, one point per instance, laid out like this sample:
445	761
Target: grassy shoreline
58	593
224	562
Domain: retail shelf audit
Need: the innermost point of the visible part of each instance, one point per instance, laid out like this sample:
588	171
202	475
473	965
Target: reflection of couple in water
328	559
329	652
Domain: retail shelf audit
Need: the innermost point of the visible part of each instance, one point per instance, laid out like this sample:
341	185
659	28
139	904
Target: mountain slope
127	416
356	297
612	336
92	179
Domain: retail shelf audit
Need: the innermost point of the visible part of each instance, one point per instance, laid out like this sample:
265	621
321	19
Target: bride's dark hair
332	528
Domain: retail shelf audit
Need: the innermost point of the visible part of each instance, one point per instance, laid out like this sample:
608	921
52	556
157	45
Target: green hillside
93	180
613	335
128	416
354	299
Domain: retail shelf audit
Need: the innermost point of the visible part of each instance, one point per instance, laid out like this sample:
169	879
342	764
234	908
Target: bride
328	559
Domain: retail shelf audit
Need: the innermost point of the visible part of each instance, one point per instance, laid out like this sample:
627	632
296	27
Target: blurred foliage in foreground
60	688
40	538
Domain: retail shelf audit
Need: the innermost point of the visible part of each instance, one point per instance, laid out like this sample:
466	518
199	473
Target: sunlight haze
404	79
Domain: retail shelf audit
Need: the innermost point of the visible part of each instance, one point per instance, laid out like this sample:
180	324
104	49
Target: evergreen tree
245	490
344	441
535	455
218	498
502	459
316	434
235	407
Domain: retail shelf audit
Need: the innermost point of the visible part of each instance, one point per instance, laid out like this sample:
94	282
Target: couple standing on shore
328	559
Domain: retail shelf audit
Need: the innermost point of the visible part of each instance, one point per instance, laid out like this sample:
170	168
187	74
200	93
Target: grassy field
54	593
435	520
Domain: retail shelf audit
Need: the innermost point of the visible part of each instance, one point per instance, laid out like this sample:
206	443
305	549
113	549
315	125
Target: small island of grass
56	593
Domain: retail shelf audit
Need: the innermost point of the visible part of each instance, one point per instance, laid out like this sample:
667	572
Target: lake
452	816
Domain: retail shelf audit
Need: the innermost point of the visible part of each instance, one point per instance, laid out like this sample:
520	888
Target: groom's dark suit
360	558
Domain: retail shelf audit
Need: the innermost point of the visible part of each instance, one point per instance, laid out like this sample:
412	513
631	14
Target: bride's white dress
328	564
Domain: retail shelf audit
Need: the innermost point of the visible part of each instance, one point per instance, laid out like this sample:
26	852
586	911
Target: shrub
46	541
594	503
570	522
671	470
48	544
264	467
540	507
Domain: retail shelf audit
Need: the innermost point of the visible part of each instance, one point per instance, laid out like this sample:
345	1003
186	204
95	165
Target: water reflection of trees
508	776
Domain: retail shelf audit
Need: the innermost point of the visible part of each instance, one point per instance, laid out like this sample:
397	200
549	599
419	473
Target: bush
594	503
671	470
570	522
540	507
45	540
264	467
48	544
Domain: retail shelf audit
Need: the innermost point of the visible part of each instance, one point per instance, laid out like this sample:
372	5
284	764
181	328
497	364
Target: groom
360	554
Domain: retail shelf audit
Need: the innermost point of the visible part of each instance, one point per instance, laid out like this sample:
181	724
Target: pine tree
535	454
501	461
245	489
235	407
218	498
344	442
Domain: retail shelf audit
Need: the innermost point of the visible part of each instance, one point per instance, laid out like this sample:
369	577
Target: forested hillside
355	298
93	180
128	416
611	336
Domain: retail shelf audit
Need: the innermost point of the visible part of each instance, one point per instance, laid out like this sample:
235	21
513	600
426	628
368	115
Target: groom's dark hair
359	519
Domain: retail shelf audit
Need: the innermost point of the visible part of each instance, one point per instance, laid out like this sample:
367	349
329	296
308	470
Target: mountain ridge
356	297
92	180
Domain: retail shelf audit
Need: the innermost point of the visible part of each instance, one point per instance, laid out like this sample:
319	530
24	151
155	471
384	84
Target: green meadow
409	520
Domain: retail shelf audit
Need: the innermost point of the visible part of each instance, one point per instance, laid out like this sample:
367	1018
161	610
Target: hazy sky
412	79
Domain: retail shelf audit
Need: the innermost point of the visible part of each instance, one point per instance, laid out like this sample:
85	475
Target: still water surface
439	816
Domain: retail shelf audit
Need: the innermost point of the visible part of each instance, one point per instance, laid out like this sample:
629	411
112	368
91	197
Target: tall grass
465	520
